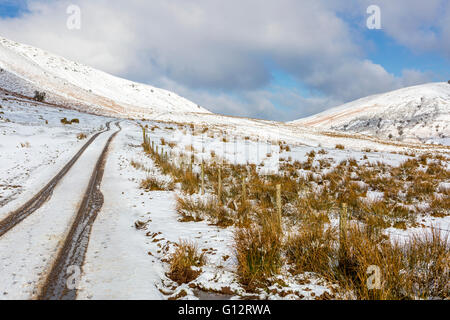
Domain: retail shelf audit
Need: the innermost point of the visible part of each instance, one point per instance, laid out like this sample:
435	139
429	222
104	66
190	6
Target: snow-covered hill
414	113
25	69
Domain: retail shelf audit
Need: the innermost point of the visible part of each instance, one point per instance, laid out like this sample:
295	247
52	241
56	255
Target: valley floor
138	230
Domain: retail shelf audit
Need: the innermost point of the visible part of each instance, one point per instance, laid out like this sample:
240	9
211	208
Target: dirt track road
43	195
49	233
75	245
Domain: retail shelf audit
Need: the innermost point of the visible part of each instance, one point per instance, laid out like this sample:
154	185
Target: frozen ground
125	263
35	145
122	261
28	250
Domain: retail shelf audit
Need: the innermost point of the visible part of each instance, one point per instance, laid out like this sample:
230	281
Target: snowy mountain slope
414	113
24	69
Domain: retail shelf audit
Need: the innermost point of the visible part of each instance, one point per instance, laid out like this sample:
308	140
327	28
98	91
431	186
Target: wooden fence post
244	194
143	133
343	226
219	191
203	177
279	203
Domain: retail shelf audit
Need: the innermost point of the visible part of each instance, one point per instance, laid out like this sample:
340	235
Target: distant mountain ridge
418	113
25	69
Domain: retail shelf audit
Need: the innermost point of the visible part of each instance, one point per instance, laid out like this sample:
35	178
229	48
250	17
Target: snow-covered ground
35	145
125	263
27	251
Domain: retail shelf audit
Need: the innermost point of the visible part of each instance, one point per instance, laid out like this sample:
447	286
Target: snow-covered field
126	262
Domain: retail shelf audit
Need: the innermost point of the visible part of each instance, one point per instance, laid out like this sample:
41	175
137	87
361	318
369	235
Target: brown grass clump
138	165
81	136
182	260
440	206
196	209
428	265
258	254
312	249
340	146
191	209
154	184
419	269
66	121
259	250
311	154
172	144
189	182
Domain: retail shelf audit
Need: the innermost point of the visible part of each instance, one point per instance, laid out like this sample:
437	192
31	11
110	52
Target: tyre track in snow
75	245
45	193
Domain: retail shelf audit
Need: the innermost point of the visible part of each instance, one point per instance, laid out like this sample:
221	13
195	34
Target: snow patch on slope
24	69
414	113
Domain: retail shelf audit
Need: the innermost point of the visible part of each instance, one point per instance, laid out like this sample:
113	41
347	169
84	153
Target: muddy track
44	194
75	245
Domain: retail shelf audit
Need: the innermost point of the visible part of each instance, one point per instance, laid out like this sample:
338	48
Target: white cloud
419	25
217	52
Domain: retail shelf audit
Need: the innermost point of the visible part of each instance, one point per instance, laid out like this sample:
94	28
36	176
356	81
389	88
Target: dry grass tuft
182	260
259	250
312	249
154	184
81	136
197	209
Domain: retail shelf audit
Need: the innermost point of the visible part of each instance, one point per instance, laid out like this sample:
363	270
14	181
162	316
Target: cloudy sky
280	60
